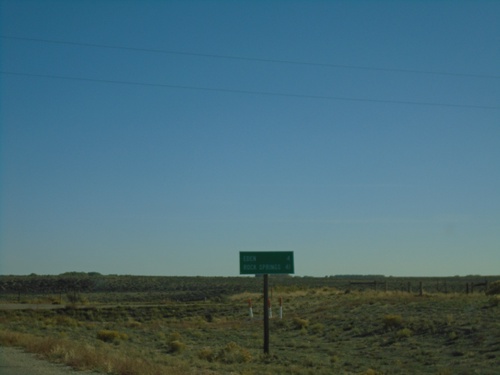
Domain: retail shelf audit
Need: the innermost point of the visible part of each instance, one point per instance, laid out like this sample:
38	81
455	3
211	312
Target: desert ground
348	326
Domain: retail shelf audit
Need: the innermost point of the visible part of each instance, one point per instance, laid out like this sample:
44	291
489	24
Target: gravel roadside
14	361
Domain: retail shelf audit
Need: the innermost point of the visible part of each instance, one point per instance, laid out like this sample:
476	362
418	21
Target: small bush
174	343
299	323
111	336
67	321
133	324
393	321
494	301
233	353
404	333
74	298
494	288
176	346
450	319
174	336
207	354
317	328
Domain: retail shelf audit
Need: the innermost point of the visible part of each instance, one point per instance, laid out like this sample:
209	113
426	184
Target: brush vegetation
324	330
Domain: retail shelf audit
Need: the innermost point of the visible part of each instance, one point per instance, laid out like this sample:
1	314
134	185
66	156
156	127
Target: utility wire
248	92
255	59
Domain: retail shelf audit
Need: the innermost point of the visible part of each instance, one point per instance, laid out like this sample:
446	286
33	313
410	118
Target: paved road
14	361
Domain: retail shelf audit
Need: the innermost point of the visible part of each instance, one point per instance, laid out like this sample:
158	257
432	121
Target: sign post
265	263
266	313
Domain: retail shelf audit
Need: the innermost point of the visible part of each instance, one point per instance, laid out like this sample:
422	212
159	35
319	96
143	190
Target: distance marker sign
266	262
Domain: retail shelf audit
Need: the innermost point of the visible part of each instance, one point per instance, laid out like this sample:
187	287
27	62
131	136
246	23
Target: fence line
443	287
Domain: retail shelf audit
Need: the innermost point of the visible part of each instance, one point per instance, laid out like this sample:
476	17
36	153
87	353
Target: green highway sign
266	262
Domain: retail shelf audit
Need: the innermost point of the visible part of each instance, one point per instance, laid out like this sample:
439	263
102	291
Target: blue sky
164	137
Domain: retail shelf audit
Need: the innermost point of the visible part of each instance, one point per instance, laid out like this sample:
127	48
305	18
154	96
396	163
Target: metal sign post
266	313
265	263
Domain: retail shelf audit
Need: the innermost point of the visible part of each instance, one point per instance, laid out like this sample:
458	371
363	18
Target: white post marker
281	308
250	311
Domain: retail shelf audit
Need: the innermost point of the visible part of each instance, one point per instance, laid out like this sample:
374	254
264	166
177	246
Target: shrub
63	320
176	346
111	336
317	328
299	323
494	288
133	324
404	333
494	301
74	298
334	359
174	343
449	319
11	338
233	353
207	354
392	321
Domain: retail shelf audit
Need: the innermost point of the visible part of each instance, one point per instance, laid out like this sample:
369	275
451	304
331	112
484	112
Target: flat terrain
324	330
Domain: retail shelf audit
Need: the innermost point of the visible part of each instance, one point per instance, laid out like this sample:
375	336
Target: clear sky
164	137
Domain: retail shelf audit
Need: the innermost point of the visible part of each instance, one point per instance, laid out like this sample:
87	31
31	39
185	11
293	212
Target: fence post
250	311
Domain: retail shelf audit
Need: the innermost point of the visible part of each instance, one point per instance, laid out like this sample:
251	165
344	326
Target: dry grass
85	356
244	297
323	332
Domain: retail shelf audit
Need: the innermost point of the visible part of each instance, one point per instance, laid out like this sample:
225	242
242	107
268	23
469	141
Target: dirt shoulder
14	361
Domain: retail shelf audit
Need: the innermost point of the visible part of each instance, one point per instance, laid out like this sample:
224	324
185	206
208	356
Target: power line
248	92
254	59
